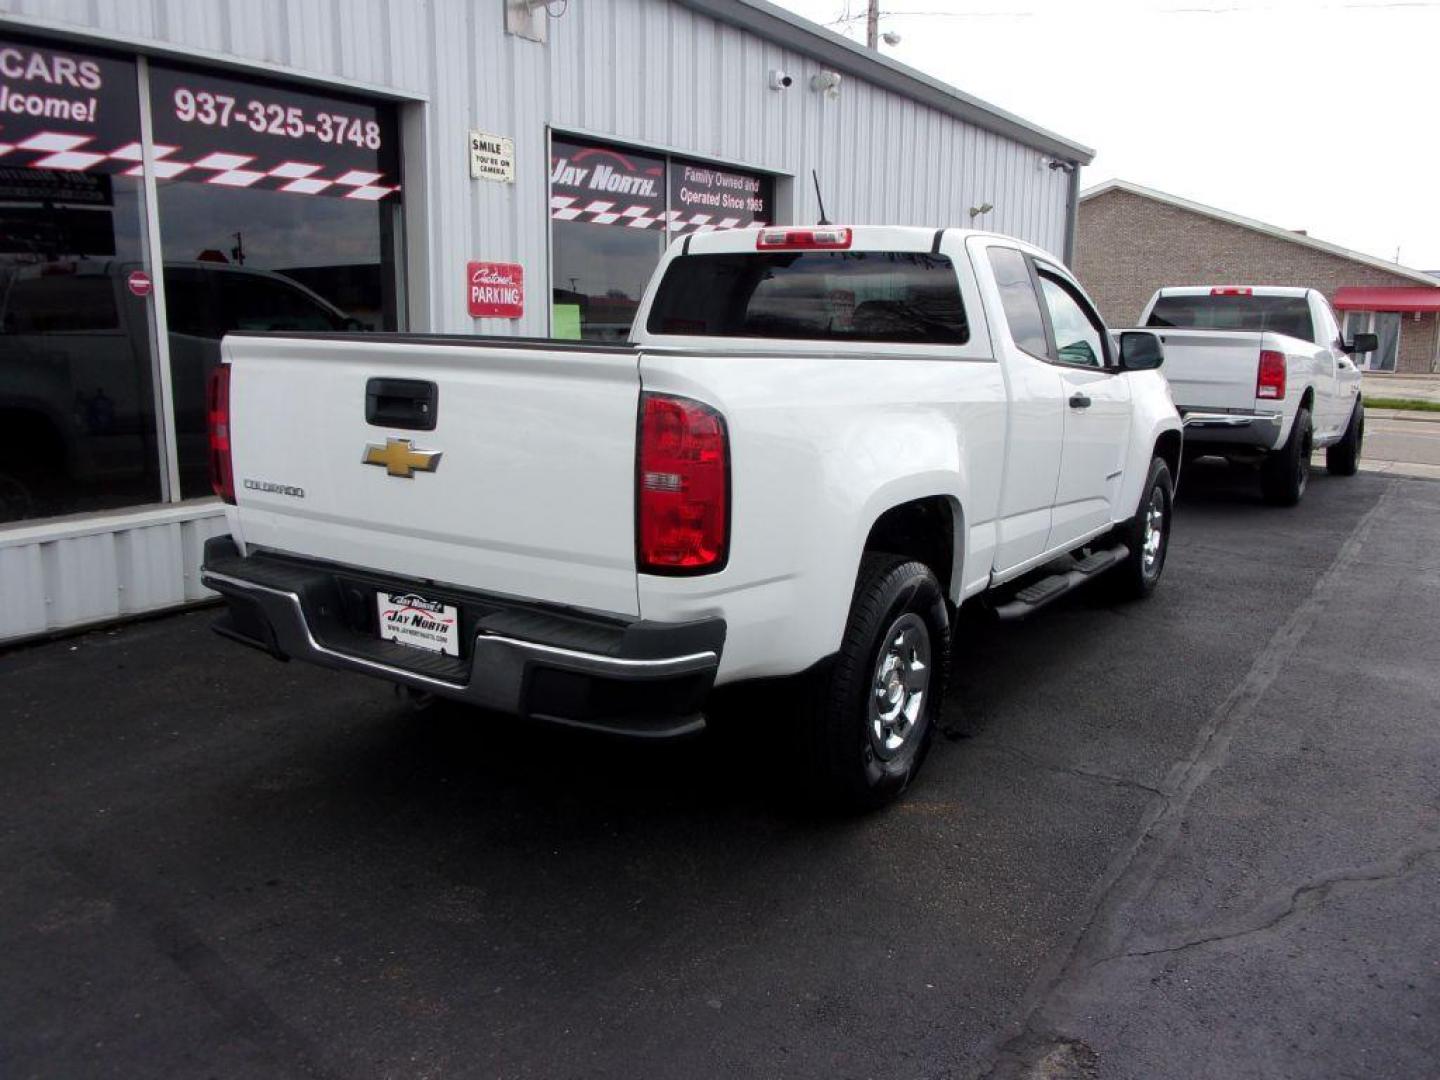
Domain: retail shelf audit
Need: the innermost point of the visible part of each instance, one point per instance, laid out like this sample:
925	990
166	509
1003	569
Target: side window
1017	296
256	302
66	302
1329	328
1079	336
190	303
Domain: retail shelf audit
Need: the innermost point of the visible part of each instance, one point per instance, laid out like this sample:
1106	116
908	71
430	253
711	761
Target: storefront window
613	211
278	211
77	417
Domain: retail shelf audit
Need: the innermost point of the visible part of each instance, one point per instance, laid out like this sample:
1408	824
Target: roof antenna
819	198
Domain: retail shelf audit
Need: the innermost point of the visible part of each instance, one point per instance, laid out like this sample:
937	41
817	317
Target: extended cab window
1079	337
1235	311
898	296
66	302
1017	297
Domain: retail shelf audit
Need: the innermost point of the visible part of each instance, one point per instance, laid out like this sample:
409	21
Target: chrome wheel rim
1153	542
900	685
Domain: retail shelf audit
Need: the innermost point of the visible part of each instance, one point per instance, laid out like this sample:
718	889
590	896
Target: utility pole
872	26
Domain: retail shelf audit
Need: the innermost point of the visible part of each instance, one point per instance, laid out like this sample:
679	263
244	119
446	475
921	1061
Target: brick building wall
1127	246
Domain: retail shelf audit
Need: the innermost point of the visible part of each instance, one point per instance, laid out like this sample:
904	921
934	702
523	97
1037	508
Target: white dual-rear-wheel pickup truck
1263	376
817	444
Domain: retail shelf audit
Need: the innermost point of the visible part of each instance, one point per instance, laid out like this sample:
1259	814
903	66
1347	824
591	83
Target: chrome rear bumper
638	678
1255	430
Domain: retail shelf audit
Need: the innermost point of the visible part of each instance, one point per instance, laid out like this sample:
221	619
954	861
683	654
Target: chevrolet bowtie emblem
398	457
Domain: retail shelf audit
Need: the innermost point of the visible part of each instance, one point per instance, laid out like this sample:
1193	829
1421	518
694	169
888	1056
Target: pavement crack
1302	898
1051	765
1132	872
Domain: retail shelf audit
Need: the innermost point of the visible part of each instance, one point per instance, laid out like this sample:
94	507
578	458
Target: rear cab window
1288	315
840	296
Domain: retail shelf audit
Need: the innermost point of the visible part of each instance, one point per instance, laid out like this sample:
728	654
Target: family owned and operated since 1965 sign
735	199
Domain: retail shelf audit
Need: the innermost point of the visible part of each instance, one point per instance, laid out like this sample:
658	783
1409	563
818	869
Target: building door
1385	325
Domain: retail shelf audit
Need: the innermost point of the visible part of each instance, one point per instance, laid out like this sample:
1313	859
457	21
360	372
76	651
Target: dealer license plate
422	624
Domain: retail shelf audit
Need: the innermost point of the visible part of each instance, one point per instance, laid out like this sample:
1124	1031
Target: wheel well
923	530
1167	446
1307	399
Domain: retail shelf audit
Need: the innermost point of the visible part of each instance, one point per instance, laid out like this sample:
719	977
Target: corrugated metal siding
79	571
643	71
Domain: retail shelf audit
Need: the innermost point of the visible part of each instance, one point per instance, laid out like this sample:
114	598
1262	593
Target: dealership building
171	172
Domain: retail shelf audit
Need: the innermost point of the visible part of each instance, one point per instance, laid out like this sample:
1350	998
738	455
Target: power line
848	16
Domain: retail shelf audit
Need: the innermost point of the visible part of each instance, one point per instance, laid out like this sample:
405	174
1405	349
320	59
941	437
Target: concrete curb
1413	416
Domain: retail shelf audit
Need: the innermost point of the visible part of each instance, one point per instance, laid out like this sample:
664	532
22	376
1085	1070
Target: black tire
1137	576
1285	472
1343	459
856	760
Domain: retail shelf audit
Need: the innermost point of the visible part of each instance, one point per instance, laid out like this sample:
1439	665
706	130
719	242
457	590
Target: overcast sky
1308	114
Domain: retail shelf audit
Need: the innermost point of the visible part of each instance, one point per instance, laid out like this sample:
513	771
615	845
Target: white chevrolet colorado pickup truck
1262	375
818	442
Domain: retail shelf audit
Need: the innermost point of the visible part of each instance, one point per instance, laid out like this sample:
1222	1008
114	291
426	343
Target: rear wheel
872	712
1343	459
1286	472
1147	535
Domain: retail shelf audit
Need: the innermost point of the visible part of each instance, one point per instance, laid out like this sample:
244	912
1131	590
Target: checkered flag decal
72	153
602	212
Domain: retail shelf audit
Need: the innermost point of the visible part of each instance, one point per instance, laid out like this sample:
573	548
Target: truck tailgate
532	494
1211	369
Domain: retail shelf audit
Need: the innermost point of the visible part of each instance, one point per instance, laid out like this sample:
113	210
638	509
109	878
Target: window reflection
77	419
252	260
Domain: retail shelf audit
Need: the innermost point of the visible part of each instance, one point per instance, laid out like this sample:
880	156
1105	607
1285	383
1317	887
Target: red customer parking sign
496	290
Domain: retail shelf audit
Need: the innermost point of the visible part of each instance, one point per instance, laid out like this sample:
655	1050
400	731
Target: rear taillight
682	482
1232	290
217	407
824	237
1270	383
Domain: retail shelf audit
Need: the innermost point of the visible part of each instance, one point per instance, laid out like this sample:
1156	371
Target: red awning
1388	298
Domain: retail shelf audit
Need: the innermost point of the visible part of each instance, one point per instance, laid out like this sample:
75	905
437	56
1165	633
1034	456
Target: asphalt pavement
1192	837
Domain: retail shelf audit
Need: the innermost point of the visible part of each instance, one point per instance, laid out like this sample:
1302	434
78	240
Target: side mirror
1140	351
1363	343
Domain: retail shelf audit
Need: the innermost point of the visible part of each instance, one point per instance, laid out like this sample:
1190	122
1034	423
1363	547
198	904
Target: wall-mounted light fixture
983	208
827	82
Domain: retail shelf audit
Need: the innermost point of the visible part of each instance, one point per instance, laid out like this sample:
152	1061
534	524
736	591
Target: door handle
1079	401
408	404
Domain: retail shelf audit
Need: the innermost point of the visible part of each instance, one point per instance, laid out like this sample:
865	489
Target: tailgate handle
408	404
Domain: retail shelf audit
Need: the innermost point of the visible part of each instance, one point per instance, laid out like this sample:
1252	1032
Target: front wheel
873	710
1147	535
